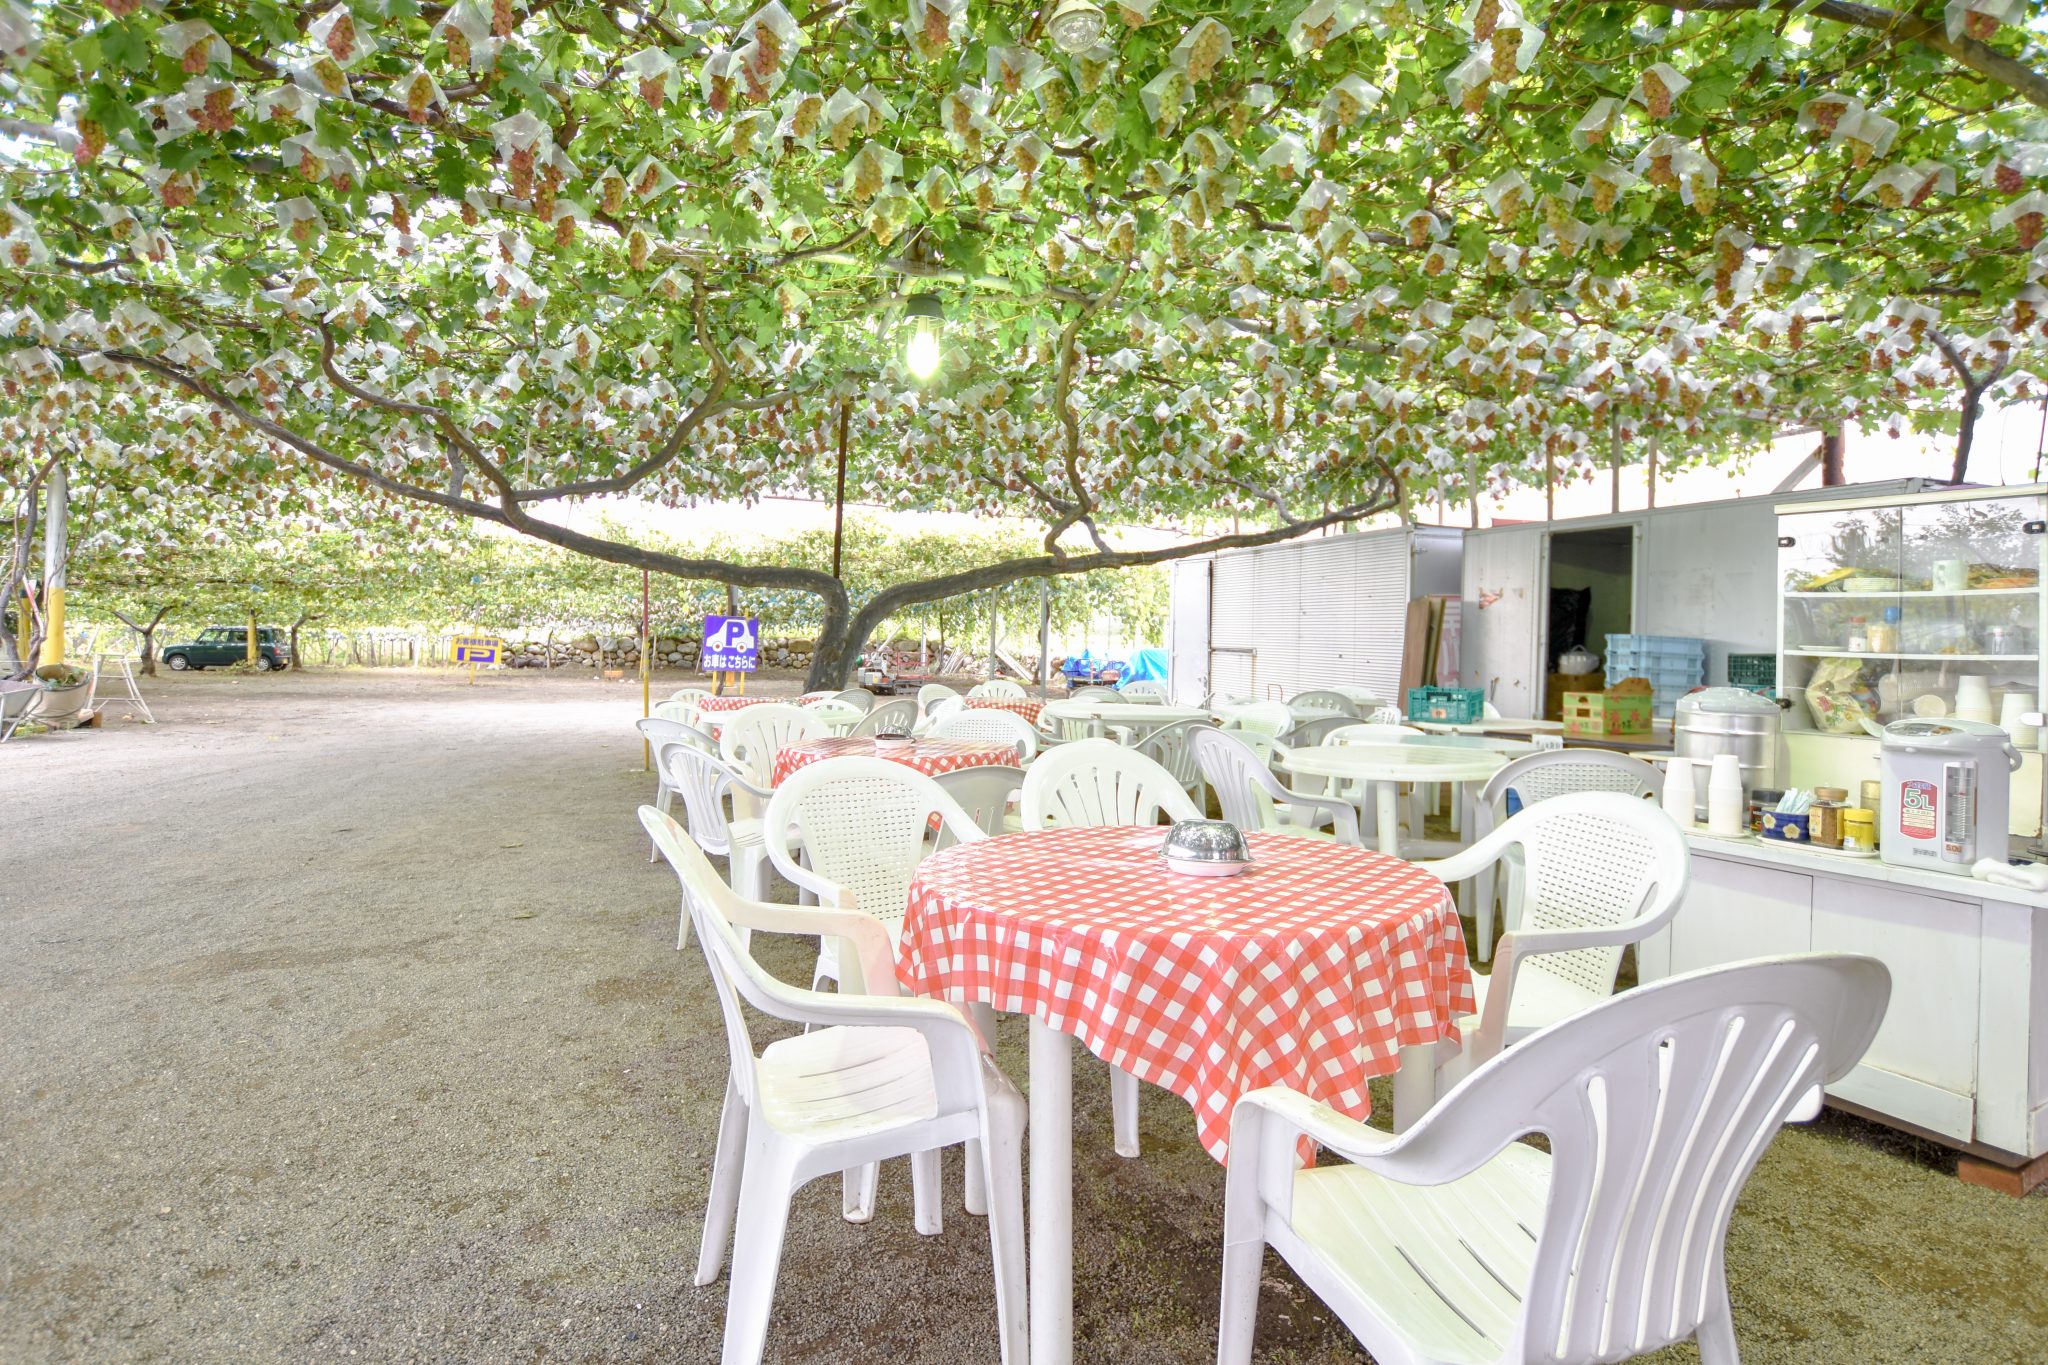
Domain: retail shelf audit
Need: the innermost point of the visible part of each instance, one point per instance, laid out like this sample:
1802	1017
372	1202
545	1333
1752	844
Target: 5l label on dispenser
1918	803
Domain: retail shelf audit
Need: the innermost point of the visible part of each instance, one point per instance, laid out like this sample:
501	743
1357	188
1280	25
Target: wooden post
1549	485
1831	442
1652	482
1614	454
1044	638
250	643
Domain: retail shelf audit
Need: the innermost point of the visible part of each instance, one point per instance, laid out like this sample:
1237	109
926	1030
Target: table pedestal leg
1052	1196
1389	817
1414	1085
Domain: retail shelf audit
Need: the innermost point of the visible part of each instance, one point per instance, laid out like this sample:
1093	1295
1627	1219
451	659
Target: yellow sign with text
478	649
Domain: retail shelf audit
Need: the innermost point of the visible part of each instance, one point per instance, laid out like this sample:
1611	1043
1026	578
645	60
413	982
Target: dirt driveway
343	1018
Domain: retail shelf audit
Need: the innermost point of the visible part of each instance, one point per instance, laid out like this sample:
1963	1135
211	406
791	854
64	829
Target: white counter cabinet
1963	1053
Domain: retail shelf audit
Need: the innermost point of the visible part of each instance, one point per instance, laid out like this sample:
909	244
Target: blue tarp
1145	663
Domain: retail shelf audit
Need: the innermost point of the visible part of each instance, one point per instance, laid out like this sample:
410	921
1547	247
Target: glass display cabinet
1926	606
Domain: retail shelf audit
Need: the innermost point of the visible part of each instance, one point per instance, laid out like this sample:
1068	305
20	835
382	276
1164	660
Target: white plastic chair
1321	701
1603	871
1001	688
681	712
1252	798
1261	723
1095	692
708	785
1378	732
857	696
1099	782
690	696
658	732
863	825
1456	1243
930	693
874	1077
986	724
986	793
898	713
1145	690
756	734
836	714
941	708
1167	745
1536	778
1363	698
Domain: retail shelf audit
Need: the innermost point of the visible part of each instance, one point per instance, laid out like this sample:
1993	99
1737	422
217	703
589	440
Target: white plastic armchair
1252	798
1536	778
1167	745
1259	723
988	725
898	713
690	696
756	734
1322	701
1603	871
836	714
1095	692
930	693
873	1078
986	793
998	687
711	790
941	708
657	732
1457	1243
863	825
858	697
1099	782
1145	690
681	712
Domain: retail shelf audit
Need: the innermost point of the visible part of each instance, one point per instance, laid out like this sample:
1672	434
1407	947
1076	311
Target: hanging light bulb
1076	25
926	319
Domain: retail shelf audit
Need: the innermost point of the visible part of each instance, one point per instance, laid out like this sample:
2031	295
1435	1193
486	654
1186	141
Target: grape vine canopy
1248	271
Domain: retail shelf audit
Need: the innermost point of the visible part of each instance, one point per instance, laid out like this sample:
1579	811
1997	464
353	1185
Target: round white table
1142	716
1386	766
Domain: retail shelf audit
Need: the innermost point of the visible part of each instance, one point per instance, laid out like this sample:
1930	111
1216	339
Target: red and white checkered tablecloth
929	756
735	703
1027	707
1312	970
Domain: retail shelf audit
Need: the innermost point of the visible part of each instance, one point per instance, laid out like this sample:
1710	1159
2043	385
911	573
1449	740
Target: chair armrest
1419	1156
955	1045
1338	812
870	941
1469	862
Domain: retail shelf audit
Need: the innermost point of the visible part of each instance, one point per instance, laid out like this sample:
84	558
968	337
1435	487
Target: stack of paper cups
2011	707
1973	698
1679	793
1727	799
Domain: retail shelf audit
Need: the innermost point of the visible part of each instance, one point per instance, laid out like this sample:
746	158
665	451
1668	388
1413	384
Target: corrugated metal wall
1288	617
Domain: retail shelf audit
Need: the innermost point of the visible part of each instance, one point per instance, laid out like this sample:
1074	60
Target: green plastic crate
1447	705
1757	672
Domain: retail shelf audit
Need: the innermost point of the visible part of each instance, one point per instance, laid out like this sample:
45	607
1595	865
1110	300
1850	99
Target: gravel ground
344	1019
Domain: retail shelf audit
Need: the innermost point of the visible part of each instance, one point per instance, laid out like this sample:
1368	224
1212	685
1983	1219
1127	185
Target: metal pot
1728	720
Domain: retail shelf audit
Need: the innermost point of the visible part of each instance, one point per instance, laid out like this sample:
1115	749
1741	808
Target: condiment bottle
1859	830
1859	636
1884	634
1825	826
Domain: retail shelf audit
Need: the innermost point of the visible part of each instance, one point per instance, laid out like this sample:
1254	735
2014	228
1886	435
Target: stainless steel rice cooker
1947	794
1728	720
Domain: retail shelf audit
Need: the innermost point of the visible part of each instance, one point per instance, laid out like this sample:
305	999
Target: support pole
839	494
1652	483
646	688
56	528
250	643
991	636
1044	638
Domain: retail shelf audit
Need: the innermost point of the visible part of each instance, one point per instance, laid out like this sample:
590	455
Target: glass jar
1859	830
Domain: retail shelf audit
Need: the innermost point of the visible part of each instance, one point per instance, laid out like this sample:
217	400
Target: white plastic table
1320	968
1386	766
1144	715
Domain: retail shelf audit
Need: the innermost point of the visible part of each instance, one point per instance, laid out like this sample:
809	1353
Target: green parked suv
222	645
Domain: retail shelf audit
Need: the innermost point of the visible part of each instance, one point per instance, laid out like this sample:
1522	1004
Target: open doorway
1592	590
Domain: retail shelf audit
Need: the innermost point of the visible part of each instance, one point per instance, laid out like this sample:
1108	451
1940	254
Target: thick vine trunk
1966	433
302	621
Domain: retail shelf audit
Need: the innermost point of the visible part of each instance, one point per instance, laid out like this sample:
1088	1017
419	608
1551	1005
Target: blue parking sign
732	644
